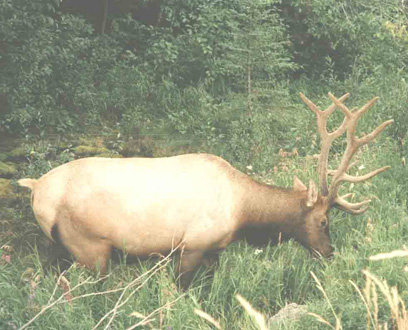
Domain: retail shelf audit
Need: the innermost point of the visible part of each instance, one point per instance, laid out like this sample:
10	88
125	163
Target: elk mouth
328	254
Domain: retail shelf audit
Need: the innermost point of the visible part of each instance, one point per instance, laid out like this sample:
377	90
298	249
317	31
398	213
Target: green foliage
44	156
350	34
61	76
6	189
87	150
7	170
17	153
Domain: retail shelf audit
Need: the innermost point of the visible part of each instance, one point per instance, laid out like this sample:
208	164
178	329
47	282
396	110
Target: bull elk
198	202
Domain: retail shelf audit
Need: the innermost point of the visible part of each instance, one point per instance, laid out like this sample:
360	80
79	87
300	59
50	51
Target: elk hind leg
59	257
92	253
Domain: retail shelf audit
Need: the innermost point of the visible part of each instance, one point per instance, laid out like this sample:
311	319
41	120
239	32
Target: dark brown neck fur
268	211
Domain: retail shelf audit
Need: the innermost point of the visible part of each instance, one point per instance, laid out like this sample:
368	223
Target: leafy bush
58	75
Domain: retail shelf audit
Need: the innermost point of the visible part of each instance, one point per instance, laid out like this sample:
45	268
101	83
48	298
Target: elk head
317	206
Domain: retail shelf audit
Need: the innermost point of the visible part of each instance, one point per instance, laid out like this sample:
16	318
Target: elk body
196	202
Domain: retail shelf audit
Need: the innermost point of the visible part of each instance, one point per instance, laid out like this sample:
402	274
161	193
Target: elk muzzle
324	252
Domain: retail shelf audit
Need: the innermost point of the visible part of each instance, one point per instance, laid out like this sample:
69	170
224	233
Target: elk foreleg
94	255
211	258
189	262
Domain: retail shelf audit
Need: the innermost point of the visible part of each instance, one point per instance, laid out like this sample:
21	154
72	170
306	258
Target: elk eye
323	223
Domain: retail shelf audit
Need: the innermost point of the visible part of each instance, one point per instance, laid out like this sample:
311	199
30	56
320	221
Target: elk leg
94	255
91	252
189	261
60	257
211	258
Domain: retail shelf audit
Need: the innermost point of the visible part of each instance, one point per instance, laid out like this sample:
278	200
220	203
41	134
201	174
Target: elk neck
269	206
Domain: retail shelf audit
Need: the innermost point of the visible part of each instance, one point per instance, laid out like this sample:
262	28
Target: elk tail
29	183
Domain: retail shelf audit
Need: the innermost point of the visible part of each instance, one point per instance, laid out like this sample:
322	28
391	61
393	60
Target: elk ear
312	194
298	185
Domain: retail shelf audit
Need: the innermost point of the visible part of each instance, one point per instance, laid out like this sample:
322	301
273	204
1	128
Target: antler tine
353	144
326	138
310	104
368	105
373	134
333	172
333	106
317	111
361	178
341	106
353	208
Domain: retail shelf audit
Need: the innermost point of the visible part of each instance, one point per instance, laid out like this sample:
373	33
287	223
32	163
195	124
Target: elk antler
326	138
353	144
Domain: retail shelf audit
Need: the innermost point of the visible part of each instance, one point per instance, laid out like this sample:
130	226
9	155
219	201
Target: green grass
268	278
